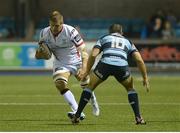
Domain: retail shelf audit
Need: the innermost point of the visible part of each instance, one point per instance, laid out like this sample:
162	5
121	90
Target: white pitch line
4	96
33	104
106	104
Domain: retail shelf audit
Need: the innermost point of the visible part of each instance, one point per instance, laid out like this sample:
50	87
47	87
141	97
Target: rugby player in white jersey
70	54
116	50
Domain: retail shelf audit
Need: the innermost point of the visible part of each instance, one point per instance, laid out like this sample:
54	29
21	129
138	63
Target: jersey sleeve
76	38
41	35
132	48
98	45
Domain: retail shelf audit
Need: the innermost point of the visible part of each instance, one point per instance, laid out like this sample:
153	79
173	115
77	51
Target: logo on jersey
77	38
73	31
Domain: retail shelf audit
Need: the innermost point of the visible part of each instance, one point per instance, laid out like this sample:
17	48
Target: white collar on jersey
117	34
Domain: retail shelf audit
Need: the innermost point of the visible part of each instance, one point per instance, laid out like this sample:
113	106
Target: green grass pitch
32	103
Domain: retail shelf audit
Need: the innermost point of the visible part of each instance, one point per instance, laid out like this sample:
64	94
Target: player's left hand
146	84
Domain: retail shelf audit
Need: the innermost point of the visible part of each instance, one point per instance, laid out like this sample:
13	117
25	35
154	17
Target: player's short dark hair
115	28
56	16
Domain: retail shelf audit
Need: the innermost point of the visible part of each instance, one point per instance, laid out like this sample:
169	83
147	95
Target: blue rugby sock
133	100
85	96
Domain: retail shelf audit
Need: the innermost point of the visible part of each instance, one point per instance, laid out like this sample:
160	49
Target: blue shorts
103	71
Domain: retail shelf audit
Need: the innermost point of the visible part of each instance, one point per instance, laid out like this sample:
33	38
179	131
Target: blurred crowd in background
160	25
163	25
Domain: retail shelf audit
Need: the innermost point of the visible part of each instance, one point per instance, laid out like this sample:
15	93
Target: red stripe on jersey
78	54
80	44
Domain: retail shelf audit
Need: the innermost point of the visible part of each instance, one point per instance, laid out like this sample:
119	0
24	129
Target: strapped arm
84	55
95	52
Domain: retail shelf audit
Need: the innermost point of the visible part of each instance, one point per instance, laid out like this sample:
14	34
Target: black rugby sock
85	96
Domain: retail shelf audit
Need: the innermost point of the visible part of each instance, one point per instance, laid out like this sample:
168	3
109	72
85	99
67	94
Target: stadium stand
92	29
7	27
177	30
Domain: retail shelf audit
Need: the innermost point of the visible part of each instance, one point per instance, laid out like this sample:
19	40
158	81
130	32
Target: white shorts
61	68
58	68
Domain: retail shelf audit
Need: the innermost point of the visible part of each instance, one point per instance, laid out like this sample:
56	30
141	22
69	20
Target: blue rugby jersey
115	49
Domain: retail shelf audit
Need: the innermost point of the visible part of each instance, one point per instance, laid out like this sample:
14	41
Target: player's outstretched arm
84	56
94	53
140	63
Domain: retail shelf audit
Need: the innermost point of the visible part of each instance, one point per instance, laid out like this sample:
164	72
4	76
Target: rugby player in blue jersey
116	50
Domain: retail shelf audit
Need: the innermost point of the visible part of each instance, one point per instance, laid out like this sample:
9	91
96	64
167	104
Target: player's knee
128	84
85	82
94	82
91	85
61	84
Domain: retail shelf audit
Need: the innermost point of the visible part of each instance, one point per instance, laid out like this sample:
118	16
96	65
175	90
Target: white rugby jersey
64	45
